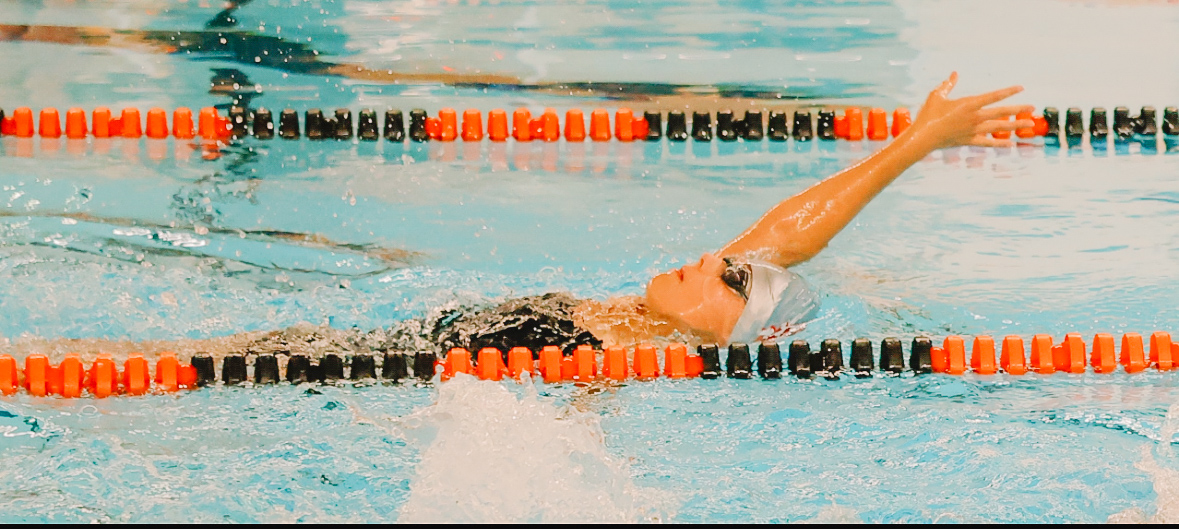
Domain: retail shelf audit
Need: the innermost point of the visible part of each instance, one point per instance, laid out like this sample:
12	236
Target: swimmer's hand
944	122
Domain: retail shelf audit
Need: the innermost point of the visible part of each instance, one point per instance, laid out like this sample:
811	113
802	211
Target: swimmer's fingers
987	141
1004	112
996	125
947	85
988	98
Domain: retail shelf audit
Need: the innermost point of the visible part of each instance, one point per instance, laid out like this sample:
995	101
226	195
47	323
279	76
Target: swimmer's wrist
917	143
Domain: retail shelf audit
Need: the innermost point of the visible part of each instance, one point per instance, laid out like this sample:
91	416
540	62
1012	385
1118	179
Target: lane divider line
446	127
584	364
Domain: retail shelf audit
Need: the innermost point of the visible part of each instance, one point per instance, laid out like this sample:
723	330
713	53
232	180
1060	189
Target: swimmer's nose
711	264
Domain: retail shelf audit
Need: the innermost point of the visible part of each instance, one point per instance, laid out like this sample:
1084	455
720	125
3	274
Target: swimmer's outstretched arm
799	227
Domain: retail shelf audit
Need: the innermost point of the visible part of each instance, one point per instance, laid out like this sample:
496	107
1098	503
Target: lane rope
854	124
612	364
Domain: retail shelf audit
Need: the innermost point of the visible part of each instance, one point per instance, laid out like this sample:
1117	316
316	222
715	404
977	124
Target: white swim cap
778	301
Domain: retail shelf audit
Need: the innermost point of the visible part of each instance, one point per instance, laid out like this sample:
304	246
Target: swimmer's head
702	298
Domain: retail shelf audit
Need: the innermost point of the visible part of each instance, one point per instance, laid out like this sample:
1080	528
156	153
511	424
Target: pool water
122	245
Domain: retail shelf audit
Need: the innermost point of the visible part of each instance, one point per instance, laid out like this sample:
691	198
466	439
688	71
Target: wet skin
695	299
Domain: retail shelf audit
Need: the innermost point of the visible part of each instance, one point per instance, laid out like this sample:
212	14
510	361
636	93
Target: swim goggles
737	276
776	300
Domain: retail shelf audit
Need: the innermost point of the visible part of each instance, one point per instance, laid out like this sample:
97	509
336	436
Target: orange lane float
1161	349
131	125
72	375
102	123
982	356
23	118
157	124
574	125
536	128
550	363
624	125
614	365
1041	126
550	125
489	366
168	372
50	123
600	125
207	124
182	126
646	362
37	375
937	359
75	124
855	124
695	366
1132	358
520	124
497	125
54	380
1011	359
472	125
103	377
955	351
434	128
1103	358
1069	356
900	121
448	124
458	360
186	376
841	126
136	377
585	363
1041	358
520	361
640	129
675	361
9	375
877	124
568	368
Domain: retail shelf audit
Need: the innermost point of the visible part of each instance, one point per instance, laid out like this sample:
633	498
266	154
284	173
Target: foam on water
490	455
1165	480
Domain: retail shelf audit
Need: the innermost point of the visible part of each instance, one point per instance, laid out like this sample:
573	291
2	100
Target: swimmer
743	292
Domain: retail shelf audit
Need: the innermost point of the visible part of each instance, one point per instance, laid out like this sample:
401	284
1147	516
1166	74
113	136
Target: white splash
835	514
1165	480
489	456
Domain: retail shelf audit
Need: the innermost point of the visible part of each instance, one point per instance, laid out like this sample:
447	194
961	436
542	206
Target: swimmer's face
697	299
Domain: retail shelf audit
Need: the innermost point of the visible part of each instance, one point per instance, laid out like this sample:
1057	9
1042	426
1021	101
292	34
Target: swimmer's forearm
800	227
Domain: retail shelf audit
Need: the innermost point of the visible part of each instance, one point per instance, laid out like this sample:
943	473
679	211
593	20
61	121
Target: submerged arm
799	227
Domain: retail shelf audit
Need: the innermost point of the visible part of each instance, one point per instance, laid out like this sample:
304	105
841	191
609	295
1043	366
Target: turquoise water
124	246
